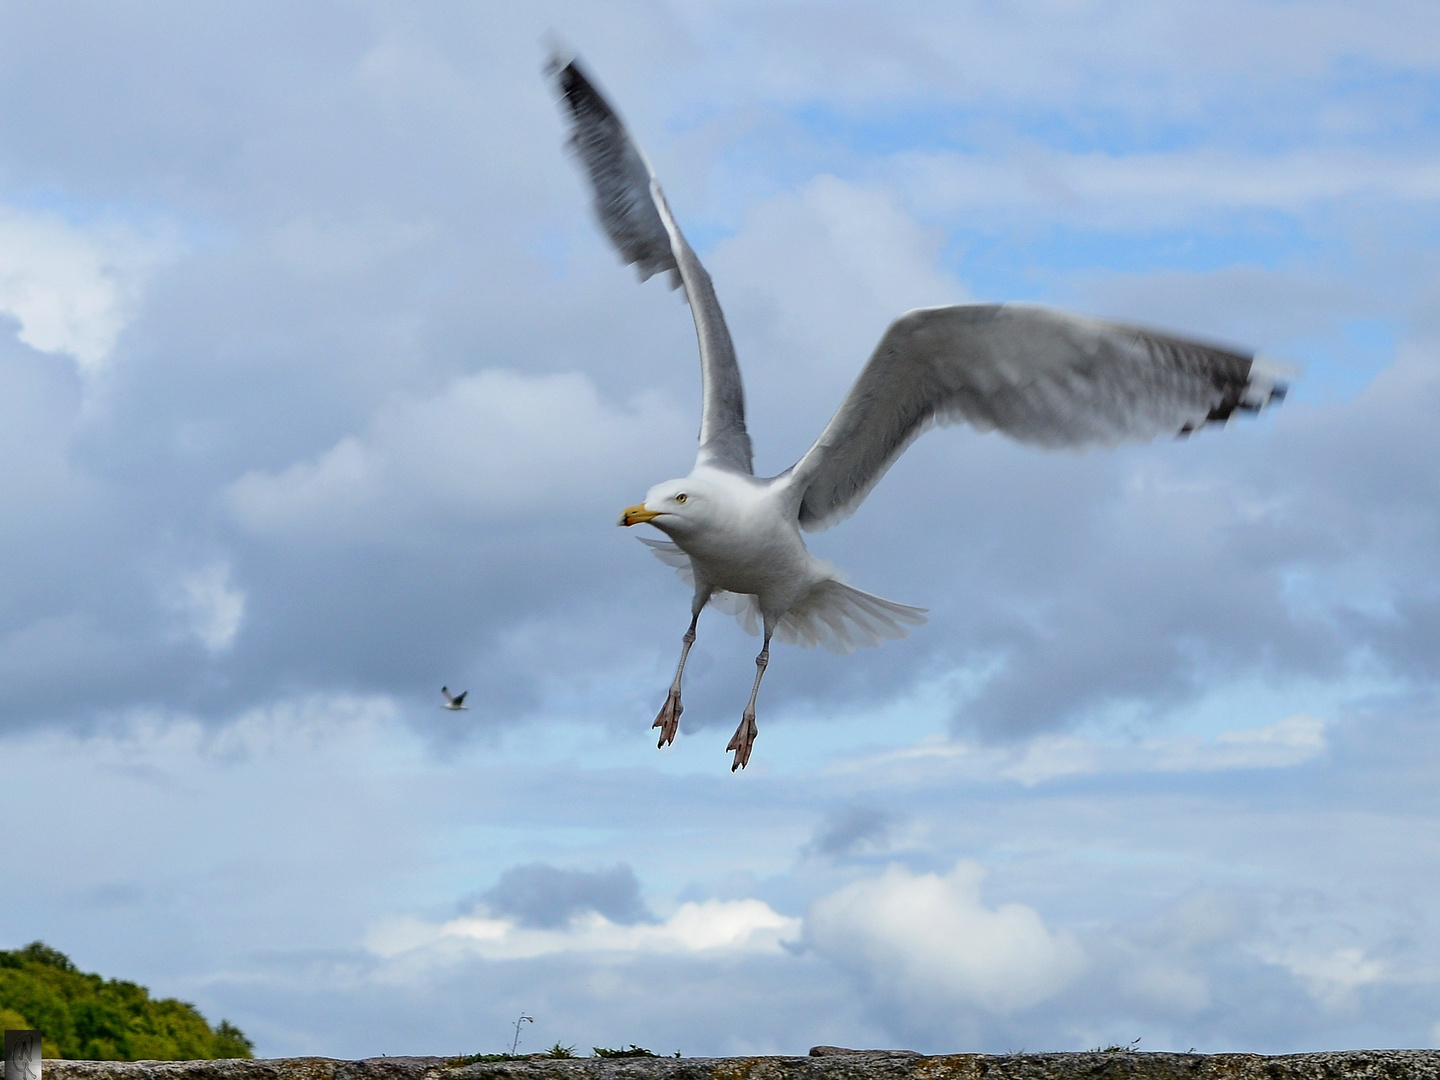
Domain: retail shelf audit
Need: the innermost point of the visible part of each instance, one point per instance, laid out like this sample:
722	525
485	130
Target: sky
320	388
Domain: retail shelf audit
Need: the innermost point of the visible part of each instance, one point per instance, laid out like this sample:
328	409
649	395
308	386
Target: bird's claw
669	719
743	740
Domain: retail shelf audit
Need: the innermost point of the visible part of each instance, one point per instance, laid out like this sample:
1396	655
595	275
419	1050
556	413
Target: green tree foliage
84	1016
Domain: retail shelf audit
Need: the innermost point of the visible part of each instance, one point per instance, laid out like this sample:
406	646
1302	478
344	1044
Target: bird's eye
681	497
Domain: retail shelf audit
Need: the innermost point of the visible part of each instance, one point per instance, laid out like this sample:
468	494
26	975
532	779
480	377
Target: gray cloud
846	830
343	286
545	896
1269	908
377	388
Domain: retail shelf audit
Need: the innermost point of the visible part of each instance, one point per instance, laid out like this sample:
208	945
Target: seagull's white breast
748	542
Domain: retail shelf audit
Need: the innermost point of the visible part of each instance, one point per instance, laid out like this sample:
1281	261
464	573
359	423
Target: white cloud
1330	977
495	445
1130	57
922	937
391	208
747	926
837	250
1137	191
814	277
72	289
213	608
1166	965
1283	744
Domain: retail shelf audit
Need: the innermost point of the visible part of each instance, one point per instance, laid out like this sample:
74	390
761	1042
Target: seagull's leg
744	737
669	719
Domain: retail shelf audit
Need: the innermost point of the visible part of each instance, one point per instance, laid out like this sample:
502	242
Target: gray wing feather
633	212
1040	376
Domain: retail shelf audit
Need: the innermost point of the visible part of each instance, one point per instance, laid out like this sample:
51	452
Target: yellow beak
637	515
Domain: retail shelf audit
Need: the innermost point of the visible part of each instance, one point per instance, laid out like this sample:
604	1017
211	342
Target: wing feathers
633	212
1040	376
618	173
724	442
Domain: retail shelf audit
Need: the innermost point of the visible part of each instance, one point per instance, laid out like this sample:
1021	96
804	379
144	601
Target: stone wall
826	1063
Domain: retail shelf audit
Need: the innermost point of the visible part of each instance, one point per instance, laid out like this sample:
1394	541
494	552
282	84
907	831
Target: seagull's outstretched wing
633	212
1040	376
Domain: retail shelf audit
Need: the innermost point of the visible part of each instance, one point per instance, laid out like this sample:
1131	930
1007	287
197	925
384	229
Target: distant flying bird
456	703
1041	376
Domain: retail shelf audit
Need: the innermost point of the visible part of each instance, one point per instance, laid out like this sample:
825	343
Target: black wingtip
564	69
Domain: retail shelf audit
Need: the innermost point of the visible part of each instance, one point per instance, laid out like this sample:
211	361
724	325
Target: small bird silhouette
456	703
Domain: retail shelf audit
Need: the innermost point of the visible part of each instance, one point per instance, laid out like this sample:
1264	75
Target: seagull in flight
456	703
1043	377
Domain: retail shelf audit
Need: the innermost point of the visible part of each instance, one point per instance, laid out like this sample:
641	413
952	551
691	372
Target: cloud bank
320	390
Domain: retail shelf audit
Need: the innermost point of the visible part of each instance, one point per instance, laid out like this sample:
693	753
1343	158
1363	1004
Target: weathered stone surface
827	1063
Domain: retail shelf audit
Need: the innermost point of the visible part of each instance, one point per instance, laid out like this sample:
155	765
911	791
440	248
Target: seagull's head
676	507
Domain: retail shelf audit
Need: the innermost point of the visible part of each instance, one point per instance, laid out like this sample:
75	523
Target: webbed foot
743	740
669	719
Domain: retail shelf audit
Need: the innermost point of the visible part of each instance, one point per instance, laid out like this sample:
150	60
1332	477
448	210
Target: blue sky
321	389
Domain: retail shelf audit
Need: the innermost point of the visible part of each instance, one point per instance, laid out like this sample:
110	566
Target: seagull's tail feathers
831	614
843	619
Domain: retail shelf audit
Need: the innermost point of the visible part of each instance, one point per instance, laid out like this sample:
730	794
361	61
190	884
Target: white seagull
1042	377
456	703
